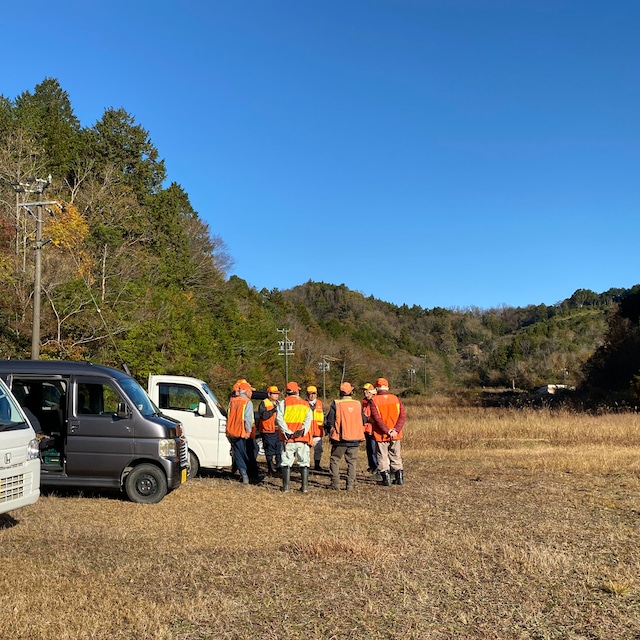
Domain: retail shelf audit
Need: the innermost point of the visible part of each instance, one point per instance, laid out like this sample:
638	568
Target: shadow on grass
7	522
80	492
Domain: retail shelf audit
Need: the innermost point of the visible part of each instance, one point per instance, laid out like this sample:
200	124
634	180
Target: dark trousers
272	448
372	457
243	458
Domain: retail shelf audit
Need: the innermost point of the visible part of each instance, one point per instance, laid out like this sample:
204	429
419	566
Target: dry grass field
512	524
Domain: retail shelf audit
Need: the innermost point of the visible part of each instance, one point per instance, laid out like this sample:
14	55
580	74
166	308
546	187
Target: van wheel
194	465
146	484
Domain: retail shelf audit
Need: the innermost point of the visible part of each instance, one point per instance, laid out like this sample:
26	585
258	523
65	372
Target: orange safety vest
388	406
348	425
269	425
295	411
366	409
317	422
235	417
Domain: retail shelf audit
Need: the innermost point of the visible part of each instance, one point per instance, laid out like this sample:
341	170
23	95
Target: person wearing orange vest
387	419
293	418
345	423
271	442
235	390
369	391
317	425
239	429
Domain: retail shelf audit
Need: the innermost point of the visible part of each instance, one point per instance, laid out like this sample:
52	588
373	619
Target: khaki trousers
389	456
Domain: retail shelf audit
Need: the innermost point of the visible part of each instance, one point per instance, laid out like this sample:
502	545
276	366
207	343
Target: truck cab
201	414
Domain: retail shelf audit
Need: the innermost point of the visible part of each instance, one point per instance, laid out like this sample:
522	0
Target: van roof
57	367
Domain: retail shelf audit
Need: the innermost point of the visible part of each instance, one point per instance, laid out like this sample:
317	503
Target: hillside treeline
132	275
441	349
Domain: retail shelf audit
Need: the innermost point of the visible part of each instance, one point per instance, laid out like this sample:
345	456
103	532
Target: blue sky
452	153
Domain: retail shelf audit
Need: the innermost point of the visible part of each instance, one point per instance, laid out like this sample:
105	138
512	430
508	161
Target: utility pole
37	186
37	288
424	355
324	367
286	349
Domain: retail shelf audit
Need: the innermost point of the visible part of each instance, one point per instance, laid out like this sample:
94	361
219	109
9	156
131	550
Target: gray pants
350	453
293	450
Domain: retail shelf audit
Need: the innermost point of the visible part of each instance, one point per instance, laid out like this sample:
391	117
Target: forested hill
522	347
132	275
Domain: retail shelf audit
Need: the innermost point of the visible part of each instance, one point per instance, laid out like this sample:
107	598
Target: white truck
19	455
203	419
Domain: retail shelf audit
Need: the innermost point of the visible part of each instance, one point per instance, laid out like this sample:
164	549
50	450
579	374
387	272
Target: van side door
99	442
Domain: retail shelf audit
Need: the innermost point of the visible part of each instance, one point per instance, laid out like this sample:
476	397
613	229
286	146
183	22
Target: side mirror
202	409
122	410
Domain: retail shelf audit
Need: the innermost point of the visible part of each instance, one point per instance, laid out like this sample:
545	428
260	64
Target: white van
19	455
203	419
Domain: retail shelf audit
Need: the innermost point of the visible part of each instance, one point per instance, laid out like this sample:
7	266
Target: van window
10	417
96	399
179	396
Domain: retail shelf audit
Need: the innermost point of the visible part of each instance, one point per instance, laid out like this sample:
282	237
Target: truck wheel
146	484
194	465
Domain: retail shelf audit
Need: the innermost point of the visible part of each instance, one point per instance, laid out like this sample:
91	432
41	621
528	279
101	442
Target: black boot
317	467
304	473
286	478
399	479
386	478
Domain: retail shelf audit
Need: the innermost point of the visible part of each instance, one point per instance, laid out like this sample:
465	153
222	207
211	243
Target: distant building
550	389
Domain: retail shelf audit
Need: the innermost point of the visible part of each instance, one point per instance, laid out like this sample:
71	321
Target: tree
116	141
47	117
613	369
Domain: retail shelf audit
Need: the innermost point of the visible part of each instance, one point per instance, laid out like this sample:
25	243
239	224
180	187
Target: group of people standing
293	427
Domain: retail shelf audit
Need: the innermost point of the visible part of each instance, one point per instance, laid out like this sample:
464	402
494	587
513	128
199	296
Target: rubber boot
386	478
317	467
399	479
286	478
304	474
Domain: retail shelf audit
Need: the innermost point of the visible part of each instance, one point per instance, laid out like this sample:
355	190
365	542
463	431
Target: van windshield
210	393
11	418
138	396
